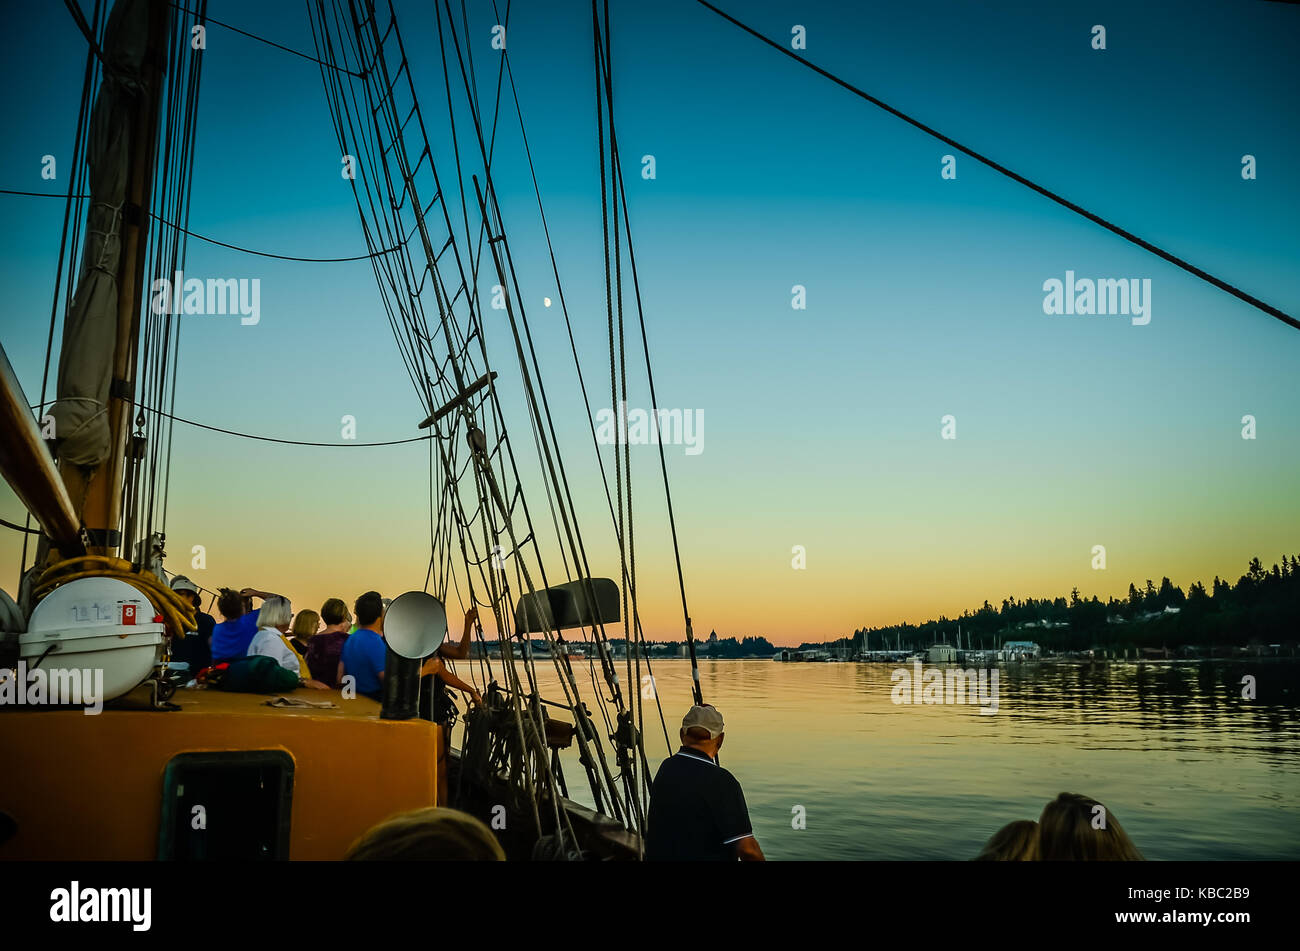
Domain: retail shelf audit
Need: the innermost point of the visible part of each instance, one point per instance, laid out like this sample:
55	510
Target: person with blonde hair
1014	842
433	834
304	626
325	648
1075	828
272	640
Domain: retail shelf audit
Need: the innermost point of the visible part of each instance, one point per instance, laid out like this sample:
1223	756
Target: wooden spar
456	401
98	493
29	468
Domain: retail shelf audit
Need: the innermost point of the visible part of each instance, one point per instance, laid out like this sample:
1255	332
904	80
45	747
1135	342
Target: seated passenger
366	652
194	648
1014	842
304	627
324	649
272	640
1075	828
432	834
230	638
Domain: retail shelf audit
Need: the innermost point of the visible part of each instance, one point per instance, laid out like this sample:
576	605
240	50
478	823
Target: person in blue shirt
230	638
365	651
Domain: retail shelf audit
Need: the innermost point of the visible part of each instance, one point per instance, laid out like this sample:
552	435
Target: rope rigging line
385	138
21	528
72	216
224	244
600	637
284	257
146	482
1016	177
696	686
599	641
573	532
286	442
253	36
87	31
612	288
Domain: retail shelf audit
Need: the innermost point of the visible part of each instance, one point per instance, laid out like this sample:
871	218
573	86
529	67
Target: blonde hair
305	624
1067	833
1014	842
432	834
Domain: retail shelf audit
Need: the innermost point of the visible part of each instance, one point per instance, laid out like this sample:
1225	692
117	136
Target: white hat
706	718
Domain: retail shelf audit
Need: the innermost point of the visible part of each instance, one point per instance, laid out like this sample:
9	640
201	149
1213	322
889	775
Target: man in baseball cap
195	648
697	808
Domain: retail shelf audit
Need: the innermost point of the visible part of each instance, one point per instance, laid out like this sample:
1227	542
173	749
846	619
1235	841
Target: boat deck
91	787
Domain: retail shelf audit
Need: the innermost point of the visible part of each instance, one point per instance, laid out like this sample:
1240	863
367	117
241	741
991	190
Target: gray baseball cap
706	718
182	583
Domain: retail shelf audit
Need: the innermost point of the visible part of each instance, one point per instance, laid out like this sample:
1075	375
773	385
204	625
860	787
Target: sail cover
86	359
583	603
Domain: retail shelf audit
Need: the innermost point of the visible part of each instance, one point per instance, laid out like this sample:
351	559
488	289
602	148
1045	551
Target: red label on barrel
128	614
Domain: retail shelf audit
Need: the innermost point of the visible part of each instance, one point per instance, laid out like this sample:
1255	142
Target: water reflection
1192	769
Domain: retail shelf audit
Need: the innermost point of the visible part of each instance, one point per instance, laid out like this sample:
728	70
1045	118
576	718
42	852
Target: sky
822	426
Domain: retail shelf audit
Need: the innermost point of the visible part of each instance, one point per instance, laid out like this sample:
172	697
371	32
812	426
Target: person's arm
461	651
436	667
731	815
342	674
254	593
747	850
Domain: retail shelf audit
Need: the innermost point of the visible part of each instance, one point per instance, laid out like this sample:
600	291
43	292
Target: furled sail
80	410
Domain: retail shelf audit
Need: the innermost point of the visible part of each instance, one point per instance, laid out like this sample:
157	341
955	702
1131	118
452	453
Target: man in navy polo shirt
697	808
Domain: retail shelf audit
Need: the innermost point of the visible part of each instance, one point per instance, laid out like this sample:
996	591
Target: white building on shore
1020	650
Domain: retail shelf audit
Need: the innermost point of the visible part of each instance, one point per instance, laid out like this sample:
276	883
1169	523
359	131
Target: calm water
1189	768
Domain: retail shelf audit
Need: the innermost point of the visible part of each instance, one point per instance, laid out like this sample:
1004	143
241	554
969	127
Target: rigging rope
224	244
253	36
1014	176
286	442
385	155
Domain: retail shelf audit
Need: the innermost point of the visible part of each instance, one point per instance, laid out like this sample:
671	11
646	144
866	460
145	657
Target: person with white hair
272	640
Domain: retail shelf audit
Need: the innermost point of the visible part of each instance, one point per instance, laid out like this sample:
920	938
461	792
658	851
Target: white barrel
96	624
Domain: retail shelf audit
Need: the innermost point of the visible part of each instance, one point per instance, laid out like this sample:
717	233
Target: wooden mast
97	493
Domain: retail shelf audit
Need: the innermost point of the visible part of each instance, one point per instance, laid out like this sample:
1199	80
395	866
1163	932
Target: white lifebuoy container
95	624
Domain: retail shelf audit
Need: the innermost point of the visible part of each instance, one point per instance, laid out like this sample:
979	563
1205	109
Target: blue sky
822	425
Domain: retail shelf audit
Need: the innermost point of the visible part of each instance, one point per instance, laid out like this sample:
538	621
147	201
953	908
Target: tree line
1261	608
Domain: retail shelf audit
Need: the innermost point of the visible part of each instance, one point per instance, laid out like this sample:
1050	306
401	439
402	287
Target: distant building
943	654
1021	650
